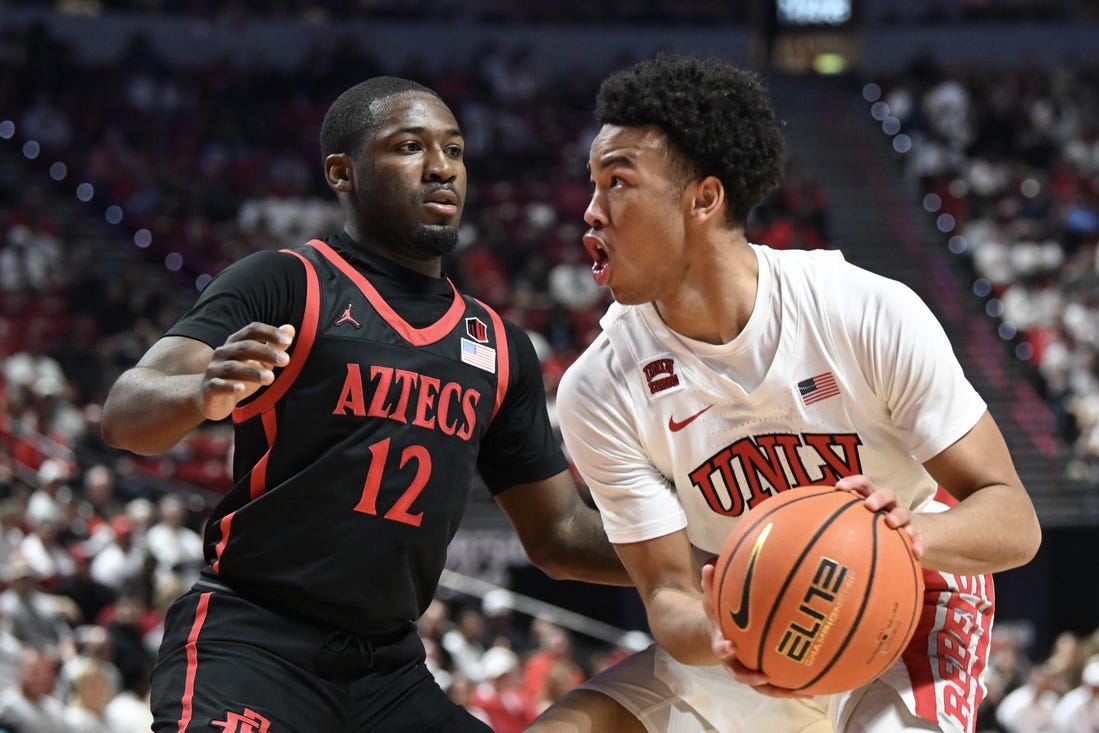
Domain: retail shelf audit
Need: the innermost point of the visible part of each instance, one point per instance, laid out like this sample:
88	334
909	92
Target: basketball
816	591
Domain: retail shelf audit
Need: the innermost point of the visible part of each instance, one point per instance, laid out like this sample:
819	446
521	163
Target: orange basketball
816	591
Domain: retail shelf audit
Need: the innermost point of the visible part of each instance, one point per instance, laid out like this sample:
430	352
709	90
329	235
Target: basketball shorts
228	664
935	686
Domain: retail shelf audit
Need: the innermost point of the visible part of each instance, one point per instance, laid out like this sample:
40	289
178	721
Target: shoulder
827	277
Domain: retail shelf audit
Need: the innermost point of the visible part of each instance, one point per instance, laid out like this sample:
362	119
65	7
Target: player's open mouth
601	267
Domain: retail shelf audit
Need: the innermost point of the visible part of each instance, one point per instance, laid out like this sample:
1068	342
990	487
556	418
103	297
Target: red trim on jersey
257	482
503	358
224	525
944	498
298	354
192	661
415	336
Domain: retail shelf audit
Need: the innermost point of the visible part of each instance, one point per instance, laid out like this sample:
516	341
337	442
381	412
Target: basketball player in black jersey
365	391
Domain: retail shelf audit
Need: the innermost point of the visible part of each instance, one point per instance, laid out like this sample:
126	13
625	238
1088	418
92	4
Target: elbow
547	557
1033	542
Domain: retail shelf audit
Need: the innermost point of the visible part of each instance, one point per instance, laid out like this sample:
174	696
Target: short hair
716	116
353	114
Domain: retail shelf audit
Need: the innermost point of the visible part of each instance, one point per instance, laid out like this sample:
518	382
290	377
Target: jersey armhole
299	352
503	357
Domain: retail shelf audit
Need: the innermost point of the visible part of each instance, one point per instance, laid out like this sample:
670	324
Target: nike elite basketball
816	591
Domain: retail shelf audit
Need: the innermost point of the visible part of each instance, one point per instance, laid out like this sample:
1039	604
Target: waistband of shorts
381	639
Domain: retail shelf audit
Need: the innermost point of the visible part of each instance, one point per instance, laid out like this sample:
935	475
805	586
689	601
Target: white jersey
670	432
838	371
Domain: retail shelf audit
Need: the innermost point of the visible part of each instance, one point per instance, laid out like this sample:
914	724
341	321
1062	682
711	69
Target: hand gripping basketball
815	591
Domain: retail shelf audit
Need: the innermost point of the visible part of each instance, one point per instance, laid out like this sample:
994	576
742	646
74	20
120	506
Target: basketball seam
789	577
867	587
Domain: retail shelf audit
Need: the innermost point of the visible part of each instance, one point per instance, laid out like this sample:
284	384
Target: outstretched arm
562	535
181	382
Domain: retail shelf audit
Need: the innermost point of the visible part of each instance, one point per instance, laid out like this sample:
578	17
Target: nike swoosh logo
675	426
740	616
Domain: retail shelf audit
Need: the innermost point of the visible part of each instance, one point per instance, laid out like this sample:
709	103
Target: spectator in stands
176	548
31	706
33	617
464	643
121	563
500	693
92	689
1078	709
1029	707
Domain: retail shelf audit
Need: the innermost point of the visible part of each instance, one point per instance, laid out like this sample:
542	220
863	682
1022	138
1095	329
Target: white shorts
936	686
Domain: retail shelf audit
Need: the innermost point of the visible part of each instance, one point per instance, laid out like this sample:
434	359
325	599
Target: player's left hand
878	499
725	650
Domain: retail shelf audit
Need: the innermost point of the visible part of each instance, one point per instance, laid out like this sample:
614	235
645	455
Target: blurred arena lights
945	223
982	287
902	143
829	63
958	244
871	92
891	125
879	111
85	192
932	202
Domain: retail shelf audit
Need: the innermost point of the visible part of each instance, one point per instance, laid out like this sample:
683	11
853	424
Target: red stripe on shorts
192	661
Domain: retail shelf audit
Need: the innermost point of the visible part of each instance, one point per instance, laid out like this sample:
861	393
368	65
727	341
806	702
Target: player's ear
338	172
709	198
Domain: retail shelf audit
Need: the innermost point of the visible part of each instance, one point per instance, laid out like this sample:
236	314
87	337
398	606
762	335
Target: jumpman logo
348	318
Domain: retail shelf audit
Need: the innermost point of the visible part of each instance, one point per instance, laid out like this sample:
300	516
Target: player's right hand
725	650
242	365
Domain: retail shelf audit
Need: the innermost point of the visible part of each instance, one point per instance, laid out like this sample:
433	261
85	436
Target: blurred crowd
183	172
1012	158
1057	693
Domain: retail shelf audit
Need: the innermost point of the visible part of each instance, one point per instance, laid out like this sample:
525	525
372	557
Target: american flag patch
820	387
479	355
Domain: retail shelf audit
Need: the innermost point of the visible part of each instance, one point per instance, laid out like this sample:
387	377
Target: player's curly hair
353	114
716	116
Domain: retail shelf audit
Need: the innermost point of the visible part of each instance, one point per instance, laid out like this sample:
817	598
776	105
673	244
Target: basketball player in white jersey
727	372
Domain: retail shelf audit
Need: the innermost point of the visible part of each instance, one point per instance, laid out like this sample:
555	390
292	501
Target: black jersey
353	469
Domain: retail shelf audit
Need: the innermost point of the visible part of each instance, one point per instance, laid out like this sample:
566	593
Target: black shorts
229	665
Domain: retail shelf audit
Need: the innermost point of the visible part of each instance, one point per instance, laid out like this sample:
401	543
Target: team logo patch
479	355
660	374
247	722
820	387
477	330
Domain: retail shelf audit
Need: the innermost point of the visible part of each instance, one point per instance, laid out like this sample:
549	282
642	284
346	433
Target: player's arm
666	574
562	535
181	382
993	527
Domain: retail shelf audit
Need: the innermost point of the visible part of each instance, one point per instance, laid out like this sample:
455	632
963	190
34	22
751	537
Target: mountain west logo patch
477	330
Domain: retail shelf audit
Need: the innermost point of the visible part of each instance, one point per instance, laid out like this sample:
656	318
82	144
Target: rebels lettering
409	397
743	474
